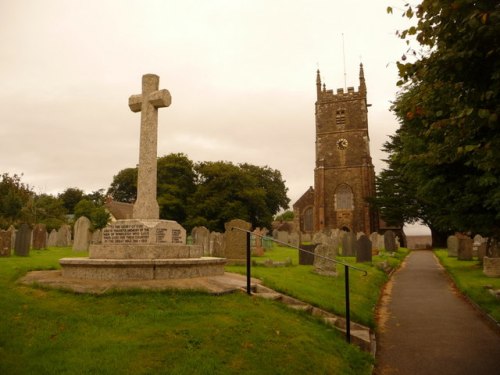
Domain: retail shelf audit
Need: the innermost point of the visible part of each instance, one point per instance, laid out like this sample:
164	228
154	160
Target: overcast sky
241	74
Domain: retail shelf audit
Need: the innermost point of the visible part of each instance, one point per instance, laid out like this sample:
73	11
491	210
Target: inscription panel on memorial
130	232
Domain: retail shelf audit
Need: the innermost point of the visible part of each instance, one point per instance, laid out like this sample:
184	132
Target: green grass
45	331
470	280
327	292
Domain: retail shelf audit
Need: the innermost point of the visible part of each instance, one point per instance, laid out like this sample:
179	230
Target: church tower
344	175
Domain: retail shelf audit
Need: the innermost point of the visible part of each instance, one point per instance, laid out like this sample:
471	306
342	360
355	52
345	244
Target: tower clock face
342	144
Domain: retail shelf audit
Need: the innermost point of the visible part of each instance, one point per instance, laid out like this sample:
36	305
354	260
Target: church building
344	175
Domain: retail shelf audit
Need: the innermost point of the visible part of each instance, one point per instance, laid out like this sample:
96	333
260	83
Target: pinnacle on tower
318	84
362	83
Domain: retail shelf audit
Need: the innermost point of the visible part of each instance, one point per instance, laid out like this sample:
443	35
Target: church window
340	117
308	220
344	198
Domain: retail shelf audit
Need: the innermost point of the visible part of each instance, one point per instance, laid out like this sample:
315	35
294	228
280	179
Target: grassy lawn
53	332
327	292
470	280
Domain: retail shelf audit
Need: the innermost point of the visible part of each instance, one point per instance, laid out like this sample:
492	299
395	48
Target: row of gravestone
231	243
25	238
466	248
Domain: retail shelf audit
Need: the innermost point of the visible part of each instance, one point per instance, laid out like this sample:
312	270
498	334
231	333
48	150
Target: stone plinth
140	249
141	269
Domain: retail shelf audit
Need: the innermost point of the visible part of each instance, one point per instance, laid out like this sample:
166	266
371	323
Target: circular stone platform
221	284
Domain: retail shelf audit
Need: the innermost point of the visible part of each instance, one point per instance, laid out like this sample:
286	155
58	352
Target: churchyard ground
48	331
469	278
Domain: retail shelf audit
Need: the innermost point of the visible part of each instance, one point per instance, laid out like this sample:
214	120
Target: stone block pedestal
142	250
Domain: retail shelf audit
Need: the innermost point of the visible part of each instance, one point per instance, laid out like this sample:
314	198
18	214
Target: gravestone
267	242
380	243
258	249
348	242
374	240
5	243
363	249
81	241
306	258
96	237
390	241
52	241
452	245
236	241
464	249
201	237
217	244
23	239
294	239
64	236
282	236
317	238
323	255
39	237
13	232
481	251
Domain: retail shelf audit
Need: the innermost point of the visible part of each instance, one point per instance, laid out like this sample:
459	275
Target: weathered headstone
452	245
464	249
39	237
52	241
236	241
5	245
96	236
13	232
283	236
491	267
374	240
380	243
64	236
217	244
306	254
294	239
481	251
258	249
323	256
363	249
201	237
148	102
82	236
348	241
23	239
390	241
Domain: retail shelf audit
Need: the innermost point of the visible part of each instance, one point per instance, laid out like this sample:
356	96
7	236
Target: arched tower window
343	198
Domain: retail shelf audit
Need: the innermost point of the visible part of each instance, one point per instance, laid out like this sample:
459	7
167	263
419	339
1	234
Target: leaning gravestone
39	237
323	256
390	241
363	249
348	241
217	244
236	241
5	244
452	245
83	235
465	249
23	239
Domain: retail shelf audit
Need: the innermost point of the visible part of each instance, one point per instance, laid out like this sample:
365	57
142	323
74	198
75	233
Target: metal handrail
346	273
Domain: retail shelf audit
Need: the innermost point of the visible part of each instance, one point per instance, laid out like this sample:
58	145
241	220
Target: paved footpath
425	327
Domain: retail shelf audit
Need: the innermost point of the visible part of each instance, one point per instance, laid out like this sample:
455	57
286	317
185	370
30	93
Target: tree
285	216
448	110
124	186
49	210
14	195
226	191
97	215
70	198
176	183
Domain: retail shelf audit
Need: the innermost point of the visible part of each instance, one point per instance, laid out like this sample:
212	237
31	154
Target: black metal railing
346	273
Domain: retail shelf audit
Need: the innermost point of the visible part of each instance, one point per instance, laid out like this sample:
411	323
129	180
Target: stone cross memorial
146	205
144	247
